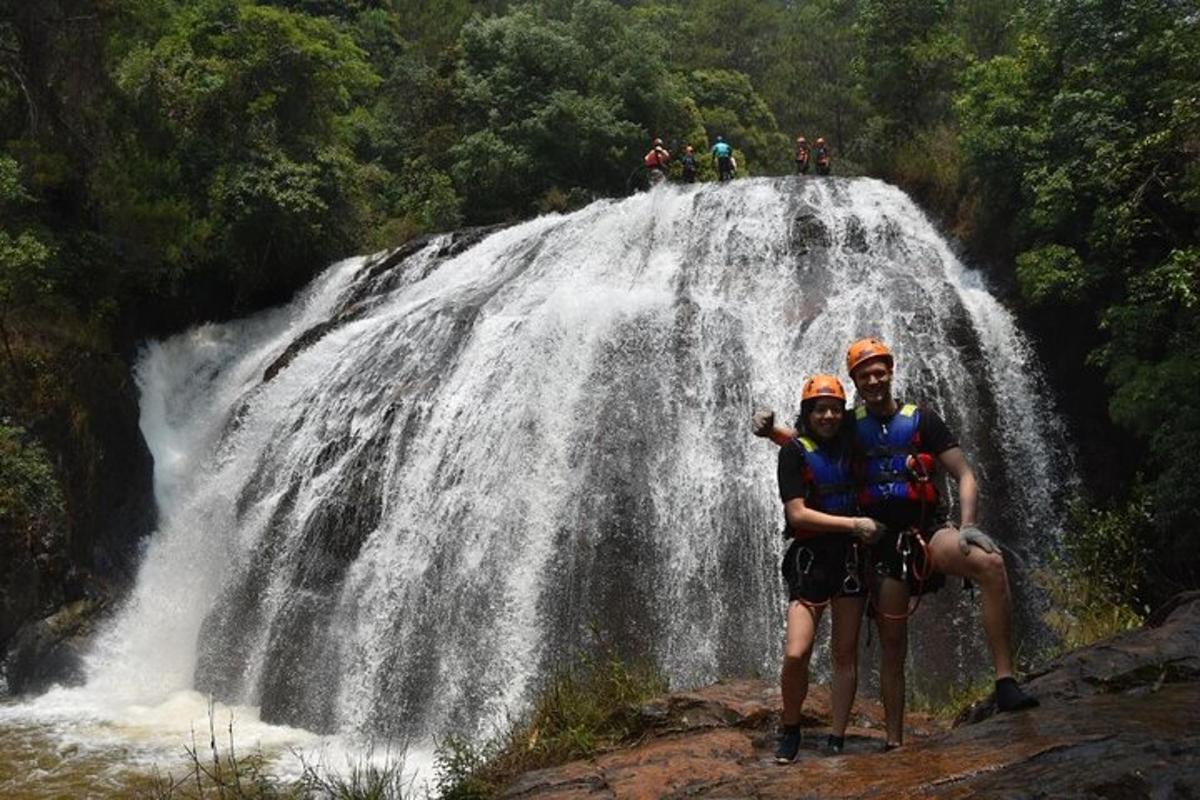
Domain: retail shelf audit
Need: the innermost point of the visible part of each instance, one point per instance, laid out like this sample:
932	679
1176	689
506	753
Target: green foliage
561	98
910	60
729	107
1050	275
247	175
1097	582
30	496
582	710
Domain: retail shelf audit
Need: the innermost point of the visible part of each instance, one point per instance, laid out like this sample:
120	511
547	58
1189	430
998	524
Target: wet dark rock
1119	719
855	236
380	276
50	651
807	232
301	343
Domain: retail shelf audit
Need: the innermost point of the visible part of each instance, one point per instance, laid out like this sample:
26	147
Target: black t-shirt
936	438
790	471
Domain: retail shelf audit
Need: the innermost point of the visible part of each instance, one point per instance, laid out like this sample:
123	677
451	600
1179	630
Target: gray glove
763	421
971	535
869	531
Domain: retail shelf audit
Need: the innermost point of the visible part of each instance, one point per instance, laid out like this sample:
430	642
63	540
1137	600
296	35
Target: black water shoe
835	744
1009	696
789	745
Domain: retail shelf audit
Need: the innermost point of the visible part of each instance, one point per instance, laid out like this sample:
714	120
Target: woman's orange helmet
822	386
866	349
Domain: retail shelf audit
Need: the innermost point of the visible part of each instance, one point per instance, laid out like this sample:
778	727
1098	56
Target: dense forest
167	162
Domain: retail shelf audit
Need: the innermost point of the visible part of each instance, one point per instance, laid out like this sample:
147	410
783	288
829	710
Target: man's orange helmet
866	349
822	386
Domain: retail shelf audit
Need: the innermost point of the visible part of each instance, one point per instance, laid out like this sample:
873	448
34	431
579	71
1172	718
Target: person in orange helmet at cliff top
821	156
803	155
656	162
897	448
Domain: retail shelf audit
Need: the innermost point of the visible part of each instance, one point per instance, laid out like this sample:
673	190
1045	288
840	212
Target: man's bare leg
893	641
985	570
988	572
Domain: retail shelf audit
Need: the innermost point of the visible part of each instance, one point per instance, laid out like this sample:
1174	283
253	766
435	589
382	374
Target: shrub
584	709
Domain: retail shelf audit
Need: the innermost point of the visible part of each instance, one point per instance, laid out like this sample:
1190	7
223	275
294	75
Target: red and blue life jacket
828	478
891	464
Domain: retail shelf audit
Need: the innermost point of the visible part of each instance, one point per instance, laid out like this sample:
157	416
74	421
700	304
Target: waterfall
390	507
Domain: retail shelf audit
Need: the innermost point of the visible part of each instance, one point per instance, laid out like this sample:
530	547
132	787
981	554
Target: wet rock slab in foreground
1119	719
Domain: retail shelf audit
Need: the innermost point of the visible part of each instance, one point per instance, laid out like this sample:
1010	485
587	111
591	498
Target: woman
822	565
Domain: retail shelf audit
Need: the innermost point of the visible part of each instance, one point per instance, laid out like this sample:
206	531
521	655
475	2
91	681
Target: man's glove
971	535
763	422
869	531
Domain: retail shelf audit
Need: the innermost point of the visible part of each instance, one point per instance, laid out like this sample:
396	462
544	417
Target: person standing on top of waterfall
822	157
803	155
823	564
656	162
689	164
897	448
722	154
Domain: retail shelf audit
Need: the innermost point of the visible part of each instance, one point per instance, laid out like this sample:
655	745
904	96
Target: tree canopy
165	162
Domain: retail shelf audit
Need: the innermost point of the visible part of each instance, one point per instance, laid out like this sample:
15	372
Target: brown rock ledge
1119	719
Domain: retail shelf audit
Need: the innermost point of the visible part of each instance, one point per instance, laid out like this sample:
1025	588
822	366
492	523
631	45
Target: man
803	153
656	162
722	153
689	164
896	447
897	444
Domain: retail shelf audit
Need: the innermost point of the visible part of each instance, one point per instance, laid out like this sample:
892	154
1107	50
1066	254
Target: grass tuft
584	709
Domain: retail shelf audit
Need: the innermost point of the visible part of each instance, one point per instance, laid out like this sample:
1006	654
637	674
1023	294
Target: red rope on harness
922	575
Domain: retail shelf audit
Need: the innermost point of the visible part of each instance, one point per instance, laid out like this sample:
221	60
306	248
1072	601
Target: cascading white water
476	461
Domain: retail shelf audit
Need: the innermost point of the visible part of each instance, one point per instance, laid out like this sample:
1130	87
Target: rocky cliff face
106	475
1119	719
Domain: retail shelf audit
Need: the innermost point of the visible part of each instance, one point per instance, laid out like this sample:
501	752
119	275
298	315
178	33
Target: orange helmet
822	386
864	350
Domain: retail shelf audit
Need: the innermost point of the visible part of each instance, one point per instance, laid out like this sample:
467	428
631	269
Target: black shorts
892	557
822	567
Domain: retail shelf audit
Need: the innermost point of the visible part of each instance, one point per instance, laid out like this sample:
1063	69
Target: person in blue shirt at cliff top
723	154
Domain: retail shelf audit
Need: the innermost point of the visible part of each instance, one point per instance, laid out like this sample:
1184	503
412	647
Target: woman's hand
868	530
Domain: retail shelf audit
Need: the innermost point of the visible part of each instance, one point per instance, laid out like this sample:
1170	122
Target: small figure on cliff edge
656	162
803	155
722	154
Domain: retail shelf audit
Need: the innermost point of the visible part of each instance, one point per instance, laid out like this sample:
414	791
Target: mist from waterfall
389	508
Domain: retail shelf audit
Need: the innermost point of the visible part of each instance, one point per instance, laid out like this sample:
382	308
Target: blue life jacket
828	479
722	150
884	451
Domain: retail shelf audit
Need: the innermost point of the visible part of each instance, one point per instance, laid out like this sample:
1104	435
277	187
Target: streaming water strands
388	508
